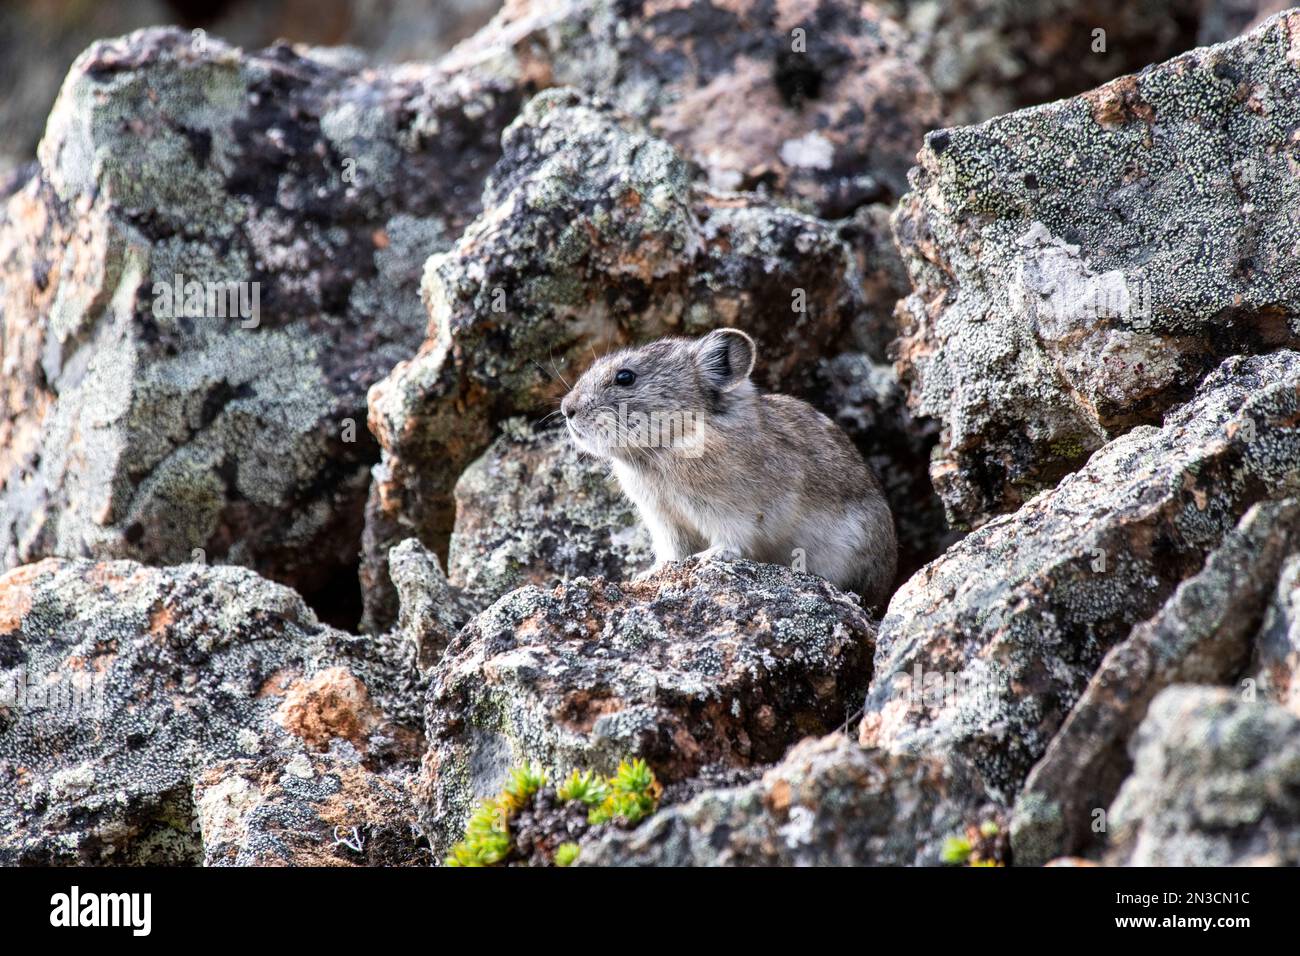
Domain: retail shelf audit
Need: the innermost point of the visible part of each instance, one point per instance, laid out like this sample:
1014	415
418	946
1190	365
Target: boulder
120	683
592	237
1216	782
1274	671
983	652
430	609
821	104
1078	267
304	810
1203	634
218	255
533	510
830	802
989	57
705	665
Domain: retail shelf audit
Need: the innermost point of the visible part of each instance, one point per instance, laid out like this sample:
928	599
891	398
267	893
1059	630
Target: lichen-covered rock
983	652
219	253
1204	634
1216	782
39	41
830	802
533	510
304	810
820	103
430	609
703	665
988	57
1275	667
593	236
1078	267
119	683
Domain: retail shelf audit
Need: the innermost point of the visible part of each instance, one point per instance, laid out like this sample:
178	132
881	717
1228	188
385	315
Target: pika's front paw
649	572
719	552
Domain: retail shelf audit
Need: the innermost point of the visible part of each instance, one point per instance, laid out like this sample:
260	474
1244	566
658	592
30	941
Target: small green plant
583	786
982	845
956	851
524	782
624	799
633	795
566	853
487	837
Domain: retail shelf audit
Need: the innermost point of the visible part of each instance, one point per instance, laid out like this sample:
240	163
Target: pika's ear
726	357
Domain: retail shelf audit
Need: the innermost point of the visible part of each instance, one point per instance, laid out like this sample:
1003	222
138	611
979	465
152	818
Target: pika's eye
624	377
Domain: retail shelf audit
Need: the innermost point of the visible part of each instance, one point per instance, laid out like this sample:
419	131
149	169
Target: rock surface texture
303	320
1078	267
828	803
304	810
218	254
121	683
533	510
1204	634
703	665
1216	782
983	652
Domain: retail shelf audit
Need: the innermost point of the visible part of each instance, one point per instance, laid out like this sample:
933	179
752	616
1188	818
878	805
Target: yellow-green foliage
627	797
956	851
566	853
977	847
633	795
584	786
487	837
524	782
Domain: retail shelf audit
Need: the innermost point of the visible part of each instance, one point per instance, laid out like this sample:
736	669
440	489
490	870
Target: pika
719	470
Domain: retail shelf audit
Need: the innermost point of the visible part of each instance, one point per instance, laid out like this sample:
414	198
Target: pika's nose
566	406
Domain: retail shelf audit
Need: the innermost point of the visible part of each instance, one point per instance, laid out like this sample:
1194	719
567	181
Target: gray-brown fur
718	469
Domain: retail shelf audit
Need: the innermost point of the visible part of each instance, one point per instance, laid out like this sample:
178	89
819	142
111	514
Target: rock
983	652
1216	782
821	103
120	683
533	510
1276	662
430	610
1224	19
295	196
828	803
39	41
1078	267
304	810
703	665
988	57
592	237
1203	634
